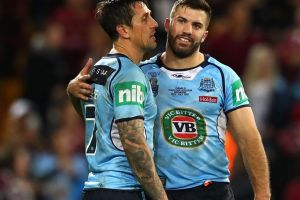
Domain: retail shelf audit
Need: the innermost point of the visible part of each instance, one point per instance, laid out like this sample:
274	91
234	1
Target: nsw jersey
191	121
121	93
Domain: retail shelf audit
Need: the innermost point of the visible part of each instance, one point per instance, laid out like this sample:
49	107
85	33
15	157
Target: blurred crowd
44	43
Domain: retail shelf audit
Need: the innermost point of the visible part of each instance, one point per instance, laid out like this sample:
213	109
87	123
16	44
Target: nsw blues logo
154	83
207	85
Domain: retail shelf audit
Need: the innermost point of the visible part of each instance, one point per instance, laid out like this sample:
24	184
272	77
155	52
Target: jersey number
91	125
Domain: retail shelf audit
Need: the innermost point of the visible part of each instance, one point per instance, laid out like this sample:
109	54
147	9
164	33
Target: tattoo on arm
140	157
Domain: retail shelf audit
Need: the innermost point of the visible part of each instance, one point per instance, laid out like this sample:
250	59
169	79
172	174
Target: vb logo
184	127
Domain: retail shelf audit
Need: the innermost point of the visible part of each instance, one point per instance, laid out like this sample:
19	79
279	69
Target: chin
151	47
182	53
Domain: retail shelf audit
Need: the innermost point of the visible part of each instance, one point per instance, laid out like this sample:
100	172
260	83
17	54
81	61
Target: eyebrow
147	14
198	23
193	22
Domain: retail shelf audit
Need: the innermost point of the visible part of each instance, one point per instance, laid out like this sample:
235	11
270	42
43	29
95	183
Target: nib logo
130	93
238	93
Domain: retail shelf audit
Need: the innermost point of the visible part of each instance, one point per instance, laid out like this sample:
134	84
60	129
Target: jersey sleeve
129	90
235	96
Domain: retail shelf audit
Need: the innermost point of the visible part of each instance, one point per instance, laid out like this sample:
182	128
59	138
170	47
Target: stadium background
44	43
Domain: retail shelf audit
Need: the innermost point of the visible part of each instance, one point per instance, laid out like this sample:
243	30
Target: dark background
44	44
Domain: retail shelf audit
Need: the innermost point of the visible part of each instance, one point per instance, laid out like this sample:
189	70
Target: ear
123	31
204	36
167	24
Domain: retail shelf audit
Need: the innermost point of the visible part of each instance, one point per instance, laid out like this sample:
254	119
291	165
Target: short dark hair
194	4
111	13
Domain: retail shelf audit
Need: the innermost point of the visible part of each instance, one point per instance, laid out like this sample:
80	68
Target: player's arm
248	139
140	157
78	88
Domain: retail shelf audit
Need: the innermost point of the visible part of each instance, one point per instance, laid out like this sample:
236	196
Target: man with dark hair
120	114
197	96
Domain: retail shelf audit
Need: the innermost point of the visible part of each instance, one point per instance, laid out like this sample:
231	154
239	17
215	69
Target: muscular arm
248	139
78	88
140	157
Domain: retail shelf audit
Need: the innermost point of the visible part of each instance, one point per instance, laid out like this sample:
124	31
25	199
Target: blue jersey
121	93
191	122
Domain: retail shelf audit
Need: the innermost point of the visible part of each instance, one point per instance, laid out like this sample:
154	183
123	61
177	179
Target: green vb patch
184	127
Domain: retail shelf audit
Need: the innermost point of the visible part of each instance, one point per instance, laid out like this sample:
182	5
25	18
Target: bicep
135	146
242	124
131	133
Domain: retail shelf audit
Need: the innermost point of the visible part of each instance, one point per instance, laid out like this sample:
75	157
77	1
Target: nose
187	28
154	23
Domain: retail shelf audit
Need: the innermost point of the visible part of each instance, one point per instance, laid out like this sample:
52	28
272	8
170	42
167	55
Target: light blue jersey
121	93
191	122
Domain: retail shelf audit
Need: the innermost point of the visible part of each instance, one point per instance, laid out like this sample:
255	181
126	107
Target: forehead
194	15
140	8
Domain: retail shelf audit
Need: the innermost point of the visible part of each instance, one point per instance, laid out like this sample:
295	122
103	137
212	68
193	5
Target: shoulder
215	63
151	62
225	70
111	66
112	62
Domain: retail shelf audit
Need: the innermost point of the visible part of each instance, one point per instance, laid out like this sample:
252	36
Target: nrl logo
207	85
184	127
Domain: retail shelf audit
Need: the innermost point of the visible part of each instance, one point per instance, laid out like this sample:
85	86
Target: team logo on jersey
207	85
238	93
184	127
130	93
154	85
154	82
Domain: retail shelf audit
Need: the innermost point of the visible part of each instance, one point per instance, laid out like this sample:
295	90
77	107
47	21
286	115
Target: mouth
184	40
152	36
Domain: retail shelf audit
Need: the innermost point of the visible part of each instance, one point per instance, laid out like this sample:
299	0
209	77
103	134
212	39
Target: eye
180	20
197	26
145	18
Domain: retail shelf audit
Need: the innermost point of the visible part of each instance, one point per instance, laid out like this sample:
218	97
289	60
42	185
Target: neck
129	49
172	61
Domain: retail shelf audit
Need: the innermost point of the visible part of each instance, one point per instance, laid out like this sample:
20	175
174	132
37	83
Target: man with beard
197	96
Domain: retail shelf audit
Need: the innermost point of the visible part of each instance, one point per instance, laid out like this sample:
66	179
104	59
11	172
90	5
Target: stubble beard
182	53
149	46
